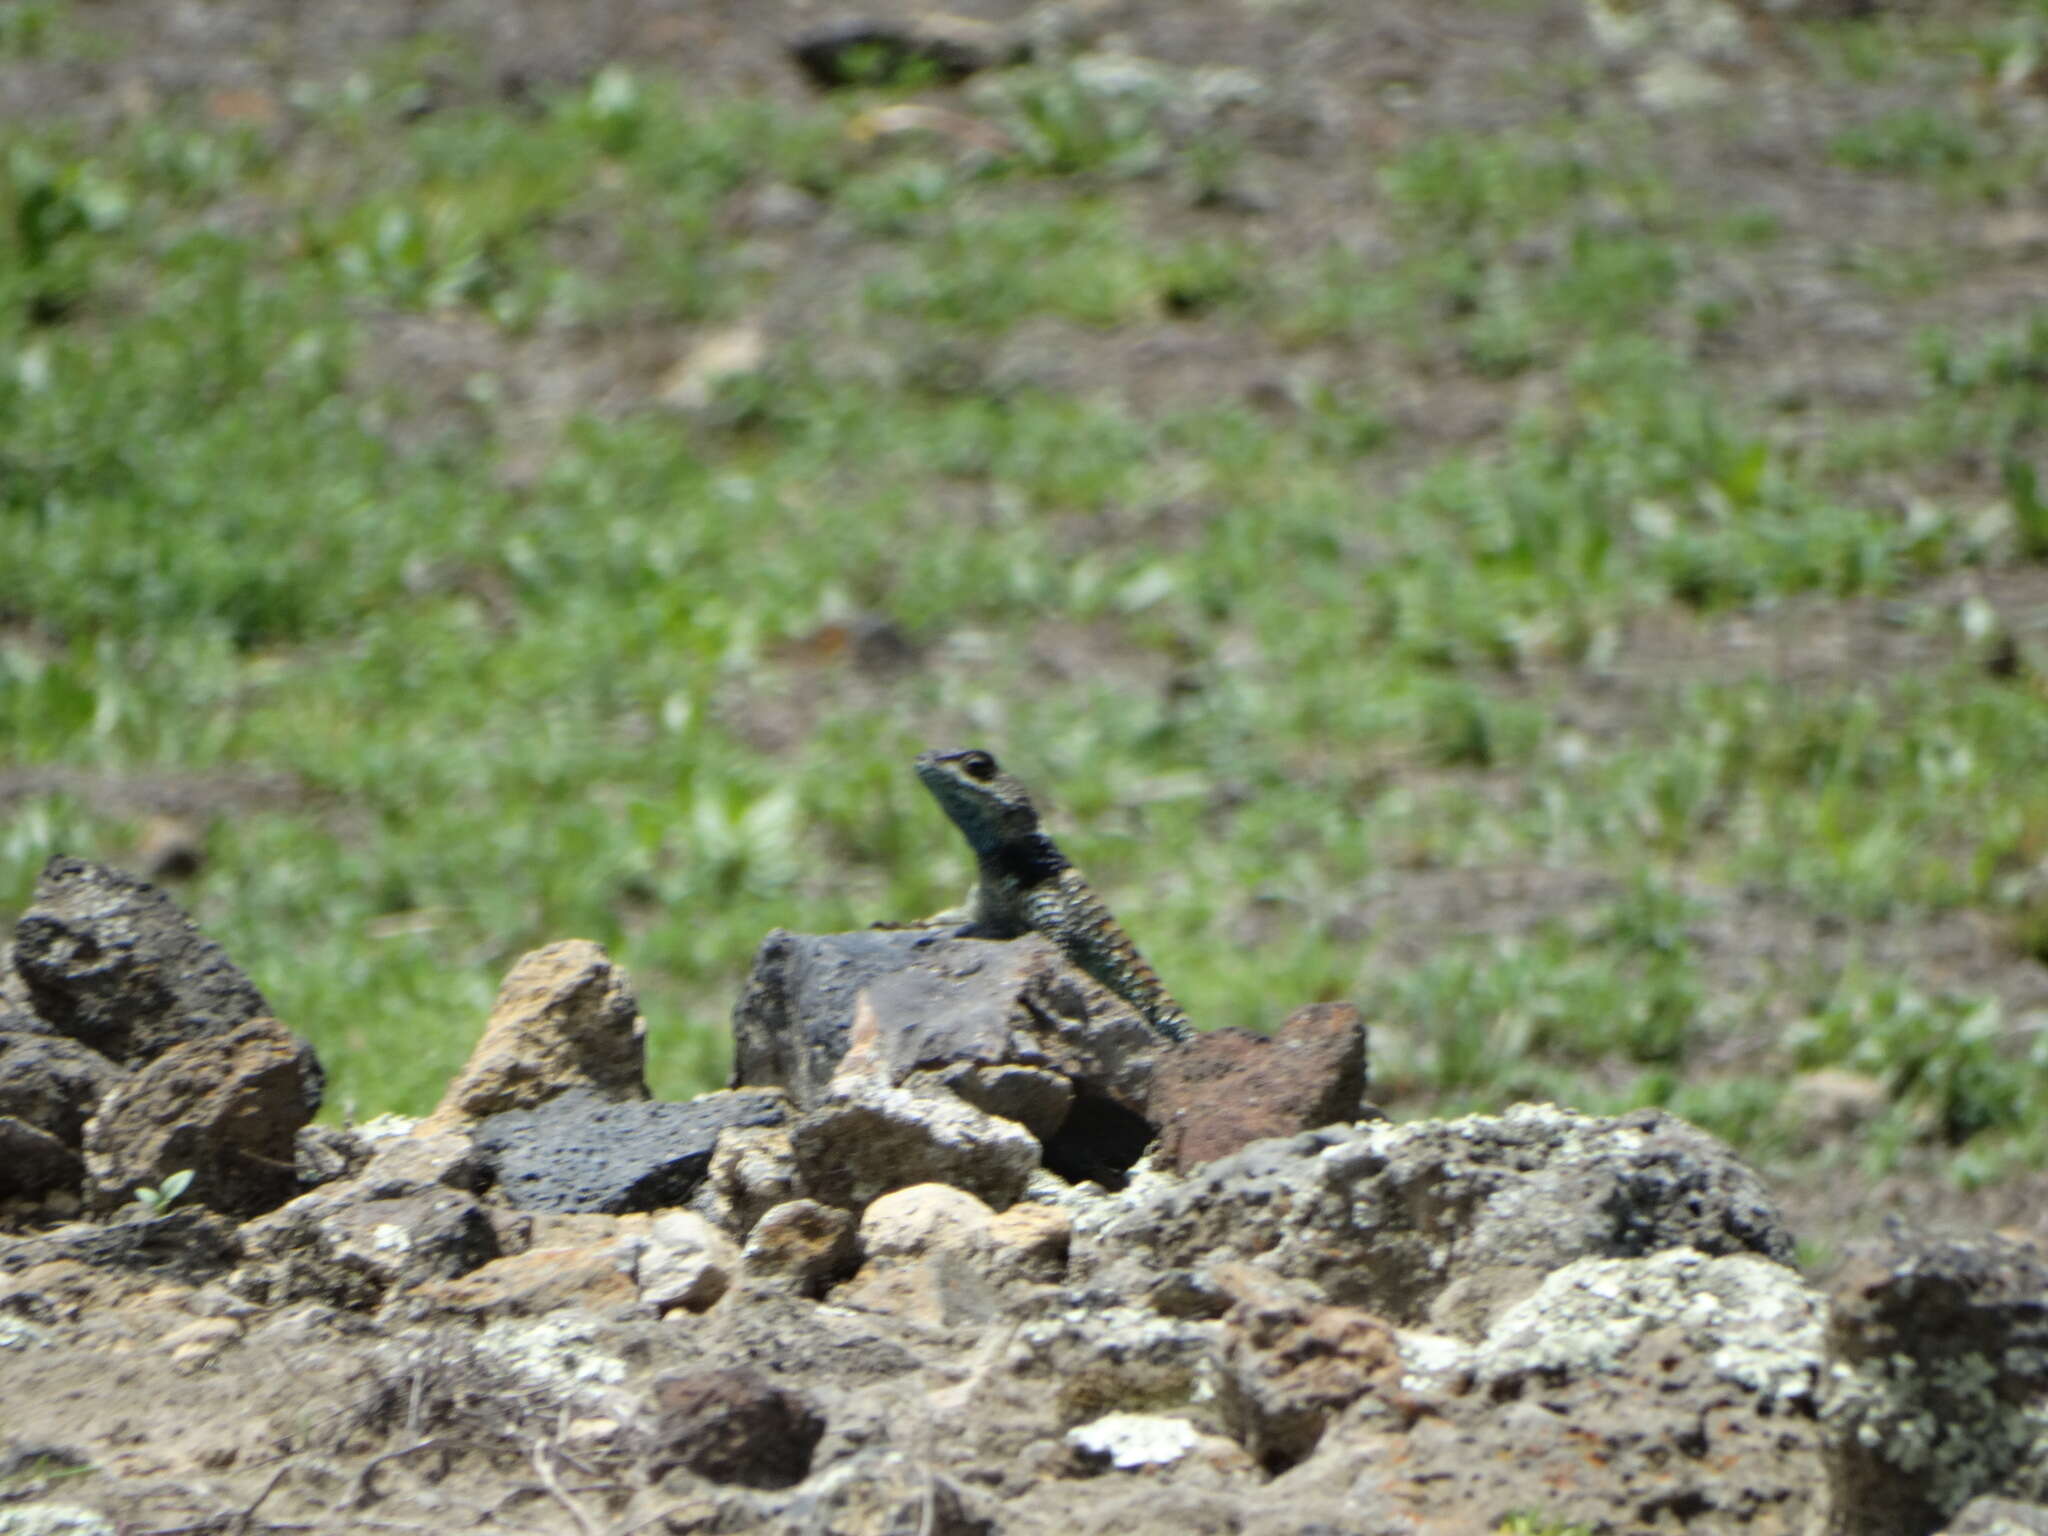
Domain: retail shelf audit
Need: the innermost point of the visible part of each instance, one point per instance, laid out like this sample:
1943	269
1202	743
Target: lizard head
987	804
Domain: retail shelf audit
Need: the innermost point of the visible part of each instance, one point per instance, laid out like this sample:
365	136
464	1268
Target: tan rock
687	1263
534	1283
753	1169
565	1018
800	1246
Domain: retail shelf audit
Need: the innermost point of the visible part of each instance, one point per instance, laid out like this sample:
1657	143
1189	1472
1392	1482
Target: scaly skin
1025	884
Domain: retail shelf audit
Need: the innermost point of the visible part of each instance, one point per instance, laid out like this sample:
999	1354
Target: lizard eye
978	765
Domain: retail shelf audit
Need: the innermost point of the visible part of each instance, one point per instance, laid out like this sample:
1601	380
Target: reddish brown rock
1292	1361
228	1107
565	1018
1229	1088
733	1426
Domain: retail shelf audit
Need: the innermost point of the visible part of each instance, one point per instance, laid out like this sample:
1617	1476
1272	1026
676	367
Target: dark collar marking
1027	861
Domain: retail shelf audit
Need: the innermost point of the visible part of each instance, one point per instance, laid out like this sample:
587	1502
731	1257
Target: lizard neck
1019	863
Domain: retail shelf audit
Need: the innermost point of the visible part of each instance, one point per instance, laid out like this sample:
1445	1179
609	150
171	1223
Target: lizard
1024	884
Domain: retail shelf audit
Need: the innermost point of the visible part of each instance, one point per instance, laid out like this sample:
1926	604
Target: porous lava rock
581	1151
112	962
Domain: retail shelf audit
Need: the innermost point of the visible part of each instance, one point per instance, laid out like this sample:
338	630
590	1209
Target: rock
55	1520
190	1245
1009	1027
800	1247
582	1152
1665	1392
565	1018
687	1263
33	1163
1758	1324
409	1165
880	1492
352	1253
868	1139
1446	1222
17	1012
1988	1516
1230	1087
862	50
1291	1362
1098	1355
113	963
1941	1374
226	1106
927	1253
1128	1441
322	1154
537	1283
753	1168
52	1083
733	1426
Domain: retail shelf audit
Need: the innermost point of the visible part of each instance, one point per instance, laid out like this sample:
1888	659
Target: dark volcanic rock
112	961
1230	1088
583	1152
1008	1026
734	1426
35	1163
52	1083
228	1107
1941	1350
191	1246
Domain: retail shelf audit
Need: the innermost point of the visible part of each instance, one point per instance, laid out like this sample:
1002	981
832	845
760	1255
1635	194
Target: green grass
534	674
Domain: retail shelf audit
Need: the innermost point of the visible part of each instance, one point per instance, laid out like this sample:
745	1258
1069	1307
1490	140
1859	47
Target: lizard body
1024	884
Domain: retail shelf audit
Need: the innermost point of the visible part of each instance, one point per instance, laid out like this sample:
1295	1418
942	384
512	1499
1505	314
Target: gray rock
583	1152
867	1139
1988	1516
111	961
1757	1324
34	1163
1446	1222
354	1253
1940	1389
883	1492
18	1015
52	1083
228	1107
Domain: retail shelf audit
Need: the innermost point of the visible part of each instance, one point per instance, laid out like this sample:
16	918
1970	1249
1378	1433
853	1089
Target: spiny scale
1026	885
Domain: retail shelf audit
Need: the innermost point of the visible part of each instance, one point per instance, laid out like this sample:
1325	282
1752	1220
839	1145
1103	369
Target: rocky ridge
963	1247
